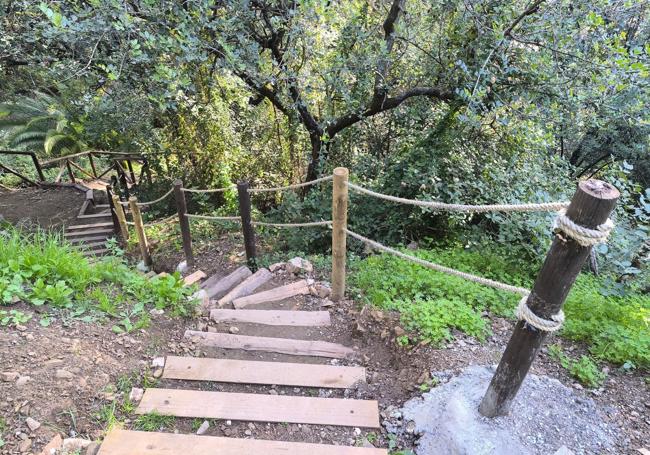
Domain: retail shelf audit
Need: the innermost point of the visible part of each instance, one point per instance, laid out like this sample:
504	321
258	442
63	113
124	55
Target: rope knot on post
525	314
584	236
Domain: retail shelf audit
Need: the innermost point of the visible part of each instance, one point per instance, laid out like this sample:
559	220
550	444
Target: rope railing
535	207
148	203
291	187
212	218
209	190
154	223
292	225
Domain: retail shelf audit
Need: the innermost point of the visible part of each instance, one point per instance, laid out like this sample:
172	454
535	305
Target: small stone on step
299	265
233	330
33	424
72	445
9	376
203	428
158	362
157	373
136	395
25	446
64	374
22	381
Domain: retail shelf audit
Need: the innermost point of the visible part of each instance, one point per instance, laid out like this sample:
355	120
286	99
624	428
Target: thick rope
213	218
290	187
154	223
524	313
144	204
292	225
541	207
209	190
584	236
440	268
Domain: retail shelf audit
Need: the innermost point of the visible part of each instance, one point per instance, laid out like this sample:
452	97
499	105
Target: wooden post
124	186
121	218
130	166
67	163
37	165
92	164
339	237
184	222
590	207
139	230
247	224
116	224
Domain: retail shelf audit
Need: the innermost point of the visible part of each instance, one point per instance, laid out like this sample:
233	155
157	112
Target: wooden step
95	252
122	442
273	295
226	284
211	281
260	408
279	345
91	246
247	286
95	215
273	317
86	226
256	372
194	277
87	239
89	232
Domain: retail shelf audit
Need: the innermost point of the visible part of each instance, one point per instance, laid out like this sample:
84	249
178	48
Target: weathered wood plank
279	345
194	277
121	442
273	295
273	317
247	286
256	372
88	232
260	408
226	284
97	238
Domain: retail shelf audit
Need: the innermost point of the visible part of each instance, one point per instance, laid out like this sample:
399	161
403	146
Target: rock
564	450
326	303
233	330
136	395
25	446
155	312
299	265
399	331
248	432
277	266
22	381
413	246
72	445
53	446
158	362
321	290
157	373
9	376
64	374
142	267
203	428
33	424
92	449
182	267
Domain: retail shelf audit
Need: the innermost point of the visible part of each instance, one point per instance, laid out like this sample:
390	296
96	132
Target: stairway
278	347
94	228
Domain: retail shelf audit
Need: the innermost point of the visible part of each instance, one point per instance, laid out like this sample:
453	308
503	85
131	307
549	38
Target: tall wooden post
70	173
247	224
131	172
590	207
92	164
339	237
37	165
116	223
139	230
121	218
184	222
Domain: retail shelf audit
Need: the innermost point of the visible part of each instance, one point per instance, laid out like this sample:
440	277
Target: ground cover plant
42	270
612	322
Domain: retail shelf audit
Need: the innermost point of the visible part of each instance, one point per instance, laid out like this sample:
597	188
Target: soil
99	364
49	208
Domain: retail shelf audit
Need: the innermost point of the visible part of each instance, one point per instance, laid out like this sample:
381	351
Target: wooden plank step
279	345
88	232
260	408
91	246
226	284
95	252
273	295
194	277
273	317
85	226
247	286
121	442
95	215
256	372
211	281
87	239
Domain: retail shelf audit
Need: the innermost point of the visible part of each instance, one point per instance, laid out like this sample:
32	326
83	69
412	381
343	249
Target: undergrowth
39	269
614	324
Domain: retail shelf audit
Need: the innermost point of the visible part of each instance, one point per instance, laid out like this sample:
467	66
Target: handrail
37	165
87	152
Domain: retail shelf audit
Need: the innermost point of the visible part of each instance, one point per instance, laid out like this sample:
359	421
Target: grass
613	324
153	422
39	268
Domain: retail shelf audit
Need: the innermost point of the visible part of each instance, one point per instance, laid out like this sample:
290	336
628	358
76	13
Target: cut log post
247	224
590	207
224	285
339	237
273	295
116	222
184	222
121	217
247	286
139	230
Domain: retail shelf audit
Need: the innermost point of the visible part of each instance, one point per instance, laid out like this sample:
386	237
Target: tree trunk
316	146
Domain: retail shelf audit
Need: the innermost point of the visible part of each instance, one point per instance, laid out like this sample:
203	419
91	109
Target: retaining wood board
88	232
194	277
260	408
256	372
273	295
247	286
226	284
279	345
85	226
121	442
273	317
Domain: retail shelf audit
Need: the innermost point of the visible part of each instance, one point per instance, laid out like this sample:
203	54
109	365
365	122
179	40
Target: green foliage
153	422
38	268
612	320
584	370
13	317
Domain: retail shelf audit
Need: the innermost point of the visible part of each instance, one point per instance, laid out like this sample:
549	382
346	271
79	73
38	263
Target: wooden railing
37	165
